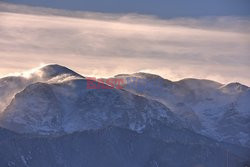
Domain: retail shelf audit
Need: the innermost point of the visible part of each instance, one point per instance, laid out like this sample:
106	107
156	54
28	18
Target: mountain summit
55	70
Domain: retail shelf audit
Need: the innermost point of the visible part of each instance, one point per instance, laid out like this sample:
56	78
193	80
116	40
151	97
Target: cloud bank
97	44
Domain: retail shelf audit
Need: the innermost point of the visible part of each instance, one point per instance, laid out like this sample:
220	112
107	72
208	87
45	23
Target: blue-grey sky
160	8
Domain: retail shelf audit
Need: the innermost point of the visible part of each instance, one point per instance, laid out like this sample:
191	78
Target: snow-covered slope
56	105
11	85
210	108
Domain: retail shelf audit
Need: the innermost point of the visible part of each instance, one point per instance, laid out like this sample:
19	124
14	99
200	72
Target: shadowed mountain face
58	121
112	147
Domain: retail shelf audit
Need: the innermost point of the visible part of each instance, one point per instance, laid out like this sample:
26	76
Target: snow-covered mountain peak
54	70
142	75
48	72
193	83
234	88
144	81
52	73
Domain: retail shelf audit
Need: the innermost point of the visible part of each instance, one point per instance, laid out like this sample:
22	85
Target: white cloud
104	45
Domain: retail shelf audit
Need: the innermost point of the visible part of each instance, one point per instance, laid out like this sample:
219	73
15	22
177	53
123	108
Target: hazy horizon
106	44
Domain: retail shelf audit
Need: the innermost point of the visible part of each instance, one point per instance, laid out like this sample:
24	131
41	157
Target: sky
215	45
159	8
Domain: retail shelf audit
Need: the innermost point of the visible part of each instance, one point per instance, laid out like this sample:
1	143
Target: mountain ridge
191	101
53	116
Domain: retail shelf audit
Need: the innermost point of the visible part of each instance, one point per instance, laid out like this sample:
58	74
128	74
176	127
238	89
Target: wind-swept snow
210	108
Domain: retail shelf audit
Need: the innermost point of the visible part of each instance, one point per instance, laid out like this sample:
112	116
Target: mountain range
48	117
